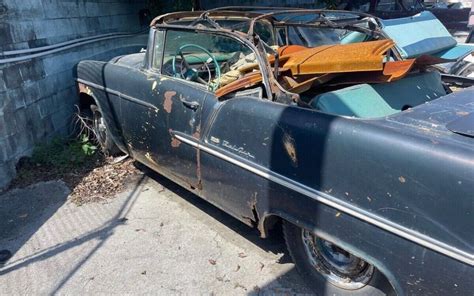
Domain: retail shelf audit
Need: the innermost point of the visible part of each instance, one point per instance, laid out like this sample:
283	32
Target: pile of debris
98	178
104	181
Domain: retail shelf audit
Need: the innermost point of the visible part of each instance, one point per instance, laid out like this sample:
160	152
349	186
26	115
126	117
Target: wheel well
274	222
85	101
270	223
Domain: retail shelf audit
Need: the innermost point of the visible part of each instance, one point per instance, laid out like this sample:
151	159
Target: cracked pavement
153	238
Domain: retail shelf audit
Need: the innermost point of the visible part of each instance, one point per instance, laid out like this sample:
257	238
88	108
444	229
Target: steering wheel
190	72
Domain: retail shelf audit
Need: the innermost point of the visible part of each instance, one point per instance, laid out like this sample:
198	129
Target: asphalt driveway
153	238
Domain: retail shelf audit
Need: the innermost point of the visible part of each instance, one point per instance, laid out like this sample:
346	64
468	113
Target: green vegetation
60	158
64	153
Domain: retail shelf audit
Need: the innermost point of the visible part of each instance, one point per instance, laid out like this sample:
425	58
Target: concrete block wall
37	96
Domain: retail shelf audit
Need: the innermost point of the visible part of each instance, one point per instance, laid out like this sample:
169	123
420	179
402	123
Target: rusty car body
369	164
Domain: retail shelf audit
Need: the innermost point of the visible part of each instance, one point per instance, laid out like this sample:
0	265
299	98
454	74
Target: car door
155	105
220	182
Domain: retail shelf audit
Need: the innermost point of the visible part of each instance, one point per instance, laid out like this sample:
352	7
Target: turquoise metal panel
359	101
419	34
457	52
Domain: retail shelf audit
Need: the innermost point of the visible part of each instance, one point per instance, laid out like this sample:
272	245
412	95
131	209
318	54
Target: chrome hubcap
100	128
337	266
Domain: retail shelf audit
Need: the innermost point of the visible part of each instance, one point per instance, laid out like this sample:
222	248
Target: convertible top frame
261	13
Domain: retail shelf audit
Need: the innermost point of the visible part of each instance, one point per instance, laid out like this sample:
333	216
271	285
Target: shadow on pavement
24	211
50	201
22	235
287	284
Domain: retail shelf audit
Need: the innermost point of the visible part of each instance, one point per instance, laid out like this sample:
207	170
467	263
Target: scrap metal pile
301	68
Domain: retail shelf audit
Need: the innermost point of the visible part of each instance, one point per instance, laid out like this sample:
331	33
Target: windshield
312	37
263	28
215	44
320	28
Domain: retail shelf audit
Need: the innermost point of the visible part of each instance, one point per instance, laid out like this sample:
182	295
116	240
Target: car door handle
193	105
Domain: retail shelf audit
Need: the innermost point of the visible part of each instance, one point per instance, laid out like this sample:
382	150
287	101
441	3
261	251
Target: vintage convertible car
368	161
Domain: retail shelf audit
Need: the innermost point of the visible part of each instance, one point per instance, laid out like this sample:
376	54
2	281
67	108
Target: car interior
230	69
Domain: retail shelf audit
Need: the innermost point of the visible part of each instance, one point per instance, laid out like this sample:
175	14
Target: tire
322	277
102	133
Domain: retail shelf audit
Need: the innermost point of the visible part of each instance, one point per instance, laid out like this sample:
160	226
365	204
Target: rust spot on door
168	103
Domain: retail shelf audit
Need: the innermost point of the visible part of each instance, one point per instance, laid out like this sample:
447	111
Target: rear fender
325	233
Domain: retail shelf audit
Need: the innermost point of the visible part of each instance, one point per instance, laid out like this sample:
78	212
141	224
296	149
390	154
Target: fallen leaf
237	285
212	261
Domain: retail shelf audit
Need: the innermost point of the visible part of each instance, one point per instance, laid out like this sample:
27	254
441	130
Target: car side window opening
212	60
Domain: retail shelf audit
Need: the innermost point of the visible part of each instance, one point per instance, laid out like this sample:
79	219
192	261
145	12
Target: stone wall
37	96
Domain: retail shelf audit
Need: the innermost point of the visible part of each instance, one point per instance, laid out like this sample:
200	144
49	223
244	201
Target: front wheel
102	134
329	269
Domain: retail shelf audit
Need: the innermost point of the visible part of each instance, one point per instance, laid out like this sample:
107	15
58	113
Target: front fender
91	79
